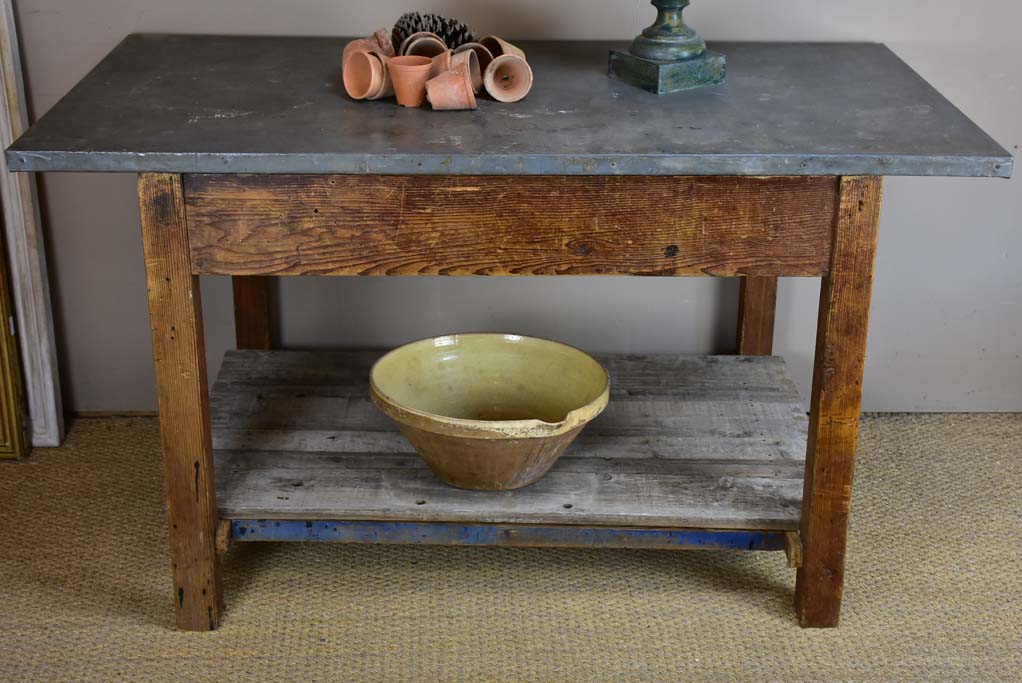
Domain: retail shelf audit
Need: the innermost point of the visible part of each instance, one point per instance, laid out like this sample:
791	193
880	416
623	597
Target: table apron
510	225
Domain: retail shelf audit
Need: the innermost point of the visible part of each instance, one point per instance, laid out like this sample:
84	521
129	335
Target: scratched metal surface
208	104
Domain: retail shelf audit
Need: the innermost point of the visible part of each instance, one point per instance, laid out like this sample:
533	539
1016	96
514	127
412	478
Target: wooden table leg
756	304
175	312
836	402
252	311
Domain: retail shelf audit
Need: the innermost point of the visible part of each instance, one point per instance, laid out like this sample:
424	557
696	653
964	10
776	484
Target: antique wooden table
254	164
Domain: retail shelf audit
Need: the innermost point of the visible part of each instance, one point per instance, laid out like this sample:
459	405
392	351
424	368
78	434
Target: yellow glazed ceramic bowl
489	411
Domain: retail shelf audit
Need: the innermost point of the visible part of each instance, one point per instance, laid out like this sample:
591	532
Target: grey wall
948	298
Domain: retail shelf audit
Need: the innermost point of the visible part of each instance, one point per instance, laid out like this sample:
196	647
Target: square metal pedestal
666	77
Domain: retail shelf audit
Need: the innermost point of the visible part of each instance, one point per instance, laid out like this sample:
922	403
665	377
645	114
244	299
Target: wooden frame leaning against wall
30	290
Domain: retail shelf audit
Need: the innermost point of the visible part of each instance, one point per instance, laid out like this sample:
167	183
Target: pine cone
452	31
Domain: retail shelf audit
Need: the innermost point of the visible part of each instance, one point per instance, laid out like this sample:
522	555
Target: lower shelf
687	442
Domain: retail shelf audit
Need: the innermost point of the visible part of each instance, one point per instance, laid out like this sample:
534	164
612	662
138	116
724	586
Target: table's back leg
252	312
836	402
756	304
175	312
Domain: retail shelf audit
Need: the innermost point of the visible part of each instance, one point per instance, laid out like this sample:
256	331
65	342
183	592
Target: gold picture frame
14	441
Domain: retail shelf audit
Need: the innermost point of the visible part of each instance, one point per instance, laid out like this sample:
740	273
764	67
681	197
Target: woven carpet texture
933	586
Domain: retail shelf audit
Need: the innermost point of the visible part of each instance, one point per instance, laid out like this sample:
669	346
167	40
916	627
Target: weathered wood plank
662	406
175	311
547	536
785	442
726	452
756	307
581	463
836	402
634	374
517	225
635	417
706	500
252	312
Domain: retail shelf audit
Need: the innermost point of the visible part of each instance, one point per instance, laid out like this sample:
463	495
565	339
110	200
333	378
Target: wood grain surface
836	402
175	312
517	225
686	442
252	326
756	306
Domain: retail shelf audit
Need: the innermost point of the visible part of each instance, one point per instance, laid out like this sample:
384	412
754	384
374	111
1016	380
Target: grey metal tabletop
216	104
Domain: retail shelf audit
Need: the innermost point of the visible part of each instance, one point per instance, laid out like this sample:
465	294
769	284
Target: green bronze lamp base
669	56
661	77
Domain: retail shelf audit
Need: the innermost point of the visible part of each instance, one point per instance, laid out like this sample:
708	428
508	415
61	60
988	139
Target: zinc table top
241	104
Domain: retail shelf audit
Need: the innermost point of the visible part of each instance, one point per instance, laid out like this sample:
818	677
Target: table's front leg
836	402
175	312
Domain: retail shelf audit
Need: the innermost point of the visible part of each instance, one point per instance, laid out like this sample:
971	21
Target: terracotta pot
387	88
489	411
423	43
441	63
508	78
382	38
499	46
484	55
409	74
378	42
471	61
404	43
358	45
452	89
364	75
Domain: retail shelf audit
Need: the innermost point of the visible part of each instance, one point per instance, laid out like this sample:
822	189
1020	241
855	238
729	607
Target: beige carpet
933	592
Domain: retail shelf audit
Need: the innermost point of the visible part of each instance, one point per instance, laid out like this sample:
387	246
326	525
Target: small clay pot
441	63
404	43
508	78
452	89
484	55
382	37
364	75
409	74
499	46
387	88
358	45
423	43
378	42
469	58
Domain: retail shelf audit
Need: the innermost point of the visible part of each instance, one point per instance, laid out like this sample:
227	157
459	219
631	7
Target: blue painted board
419	533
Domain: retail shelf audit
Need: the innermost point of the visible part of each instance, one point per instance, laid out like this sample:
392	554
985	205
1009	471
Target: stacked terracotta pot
423	68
